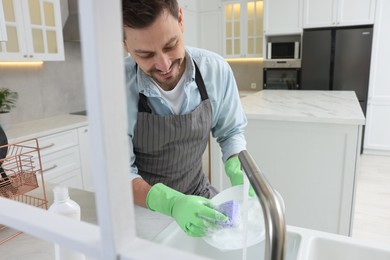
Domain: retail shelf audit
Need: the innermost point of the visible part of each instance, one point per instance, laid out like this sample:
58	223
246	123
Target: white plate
253	229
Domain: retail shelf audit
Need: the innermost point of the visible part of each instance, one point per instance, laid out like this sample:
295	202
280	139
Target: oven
281	74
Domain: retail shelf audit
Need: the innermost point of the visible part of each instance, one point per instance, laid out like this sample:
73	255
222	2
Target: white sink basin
324	249
302	244
174	237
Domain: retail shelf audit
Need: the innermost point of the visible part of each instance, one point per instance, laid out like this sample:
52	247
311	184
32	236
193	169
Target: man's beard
171	82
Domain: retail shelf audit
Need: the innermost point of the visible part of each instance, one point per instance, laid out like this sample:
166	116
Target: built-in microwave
283	50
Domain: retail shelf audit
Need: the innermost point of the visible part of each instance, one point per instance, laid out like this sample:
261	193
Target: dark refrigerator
337	59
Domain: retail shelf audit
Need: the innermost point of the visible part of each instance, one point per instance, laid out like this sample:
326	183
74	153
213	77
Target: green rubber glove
235	174
194	214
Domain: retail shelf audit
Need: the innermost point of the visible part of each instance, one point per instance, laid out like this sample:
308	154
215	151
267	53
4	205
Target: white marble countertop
341	107
245	93
45	126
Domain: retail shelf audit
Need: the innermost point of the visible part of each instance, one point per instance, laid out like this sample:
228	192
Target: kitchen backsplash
53	89
248	72
57	87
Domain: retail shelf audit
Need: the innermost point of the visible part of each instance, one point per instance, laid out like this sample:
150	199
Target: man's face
159	49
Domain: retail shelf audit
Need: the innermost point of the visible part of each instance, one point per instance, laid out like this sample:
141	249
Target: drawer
58	141
56	164
70	179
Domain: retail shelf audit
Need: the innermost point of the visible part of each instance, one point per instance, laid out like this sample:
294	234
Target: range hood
71	28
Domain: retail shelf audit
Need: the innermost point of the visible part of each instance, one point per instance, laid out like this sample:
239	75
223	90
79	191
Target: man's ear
181	20
125	46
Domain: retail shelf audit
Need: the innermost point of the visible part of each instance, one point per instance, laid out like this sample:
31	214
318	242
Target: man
176	96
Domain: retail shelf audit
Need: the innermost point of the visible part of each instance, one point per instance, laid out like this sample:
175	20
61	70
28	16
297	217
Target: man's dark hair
138	14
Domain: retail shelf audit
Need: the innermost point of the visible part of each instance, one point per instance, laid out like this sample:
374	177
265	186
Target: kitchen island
307	143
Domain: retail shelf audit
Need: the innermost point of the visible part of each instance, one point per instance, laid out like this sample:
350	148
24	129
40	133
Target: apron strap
143	104
201	86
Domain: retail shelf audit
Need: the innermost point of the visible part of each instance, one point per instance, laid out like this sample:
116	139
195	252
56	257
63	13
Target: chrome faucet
273	208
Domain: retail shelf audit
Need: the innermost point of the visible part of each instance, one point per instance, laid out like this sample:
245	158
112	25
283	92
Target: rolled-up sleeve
230	119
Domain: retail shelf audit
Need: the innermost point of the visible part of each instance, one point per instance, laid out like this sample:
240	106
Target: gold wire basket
21	173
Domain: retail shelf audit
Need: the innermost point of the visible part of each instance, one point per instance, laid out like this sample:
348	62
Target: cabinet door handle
47	146
50	168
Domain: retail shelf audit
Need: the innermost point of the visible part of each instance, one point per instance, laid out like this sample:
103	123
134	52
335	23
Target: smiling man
177	95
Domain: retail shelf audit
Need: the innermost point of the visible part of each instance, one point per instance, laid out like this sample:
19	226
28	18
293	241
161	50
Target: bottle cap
61	193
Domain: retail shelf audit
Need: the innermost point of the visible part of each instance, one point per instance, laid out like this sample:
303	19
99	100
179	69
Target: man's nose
163	62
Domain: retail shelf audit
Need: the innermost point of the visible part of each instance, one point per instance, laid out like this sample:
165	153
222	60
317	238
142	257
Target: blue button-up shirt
228	118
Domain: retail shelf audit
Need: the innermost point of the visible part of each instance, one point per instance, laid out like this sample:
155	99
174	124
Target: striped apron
169	149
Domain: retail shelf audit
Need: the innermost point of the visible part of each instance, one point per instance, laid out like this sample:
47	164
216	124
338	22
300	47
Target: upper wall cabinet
210	22
34	31
282	17
210	5
243	30
3	33
190	13
320	13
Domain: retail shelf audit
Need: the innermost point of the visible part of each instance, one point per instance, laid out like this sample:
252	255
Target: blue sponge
231	209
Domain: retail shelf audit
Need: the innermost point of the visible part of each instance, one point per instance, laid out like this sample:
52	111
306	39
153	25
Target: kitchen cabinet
34	31
210	5
210	22
377	138
61	158
319	13
282	17
243	29
3	33
61	143
190	13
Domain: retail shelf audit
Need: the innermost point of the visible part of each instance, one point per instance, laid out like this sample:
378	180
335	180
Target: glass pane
282	79
236	29
259	45
35	12
12	45
228	47
251	10
49	14
236	11
38	41
259	26
251	46
237	49
251	29
228	12
229	30
259	9
8	7
51	41
1	47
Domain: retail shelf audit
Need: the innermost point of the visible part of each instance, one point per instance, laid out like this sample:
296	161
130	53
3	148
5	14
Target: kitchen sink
301	244
324	249
174	237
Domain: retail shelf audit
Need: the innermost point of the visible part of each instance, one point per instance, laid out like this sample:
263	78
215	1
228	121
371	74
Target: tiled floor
372	208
